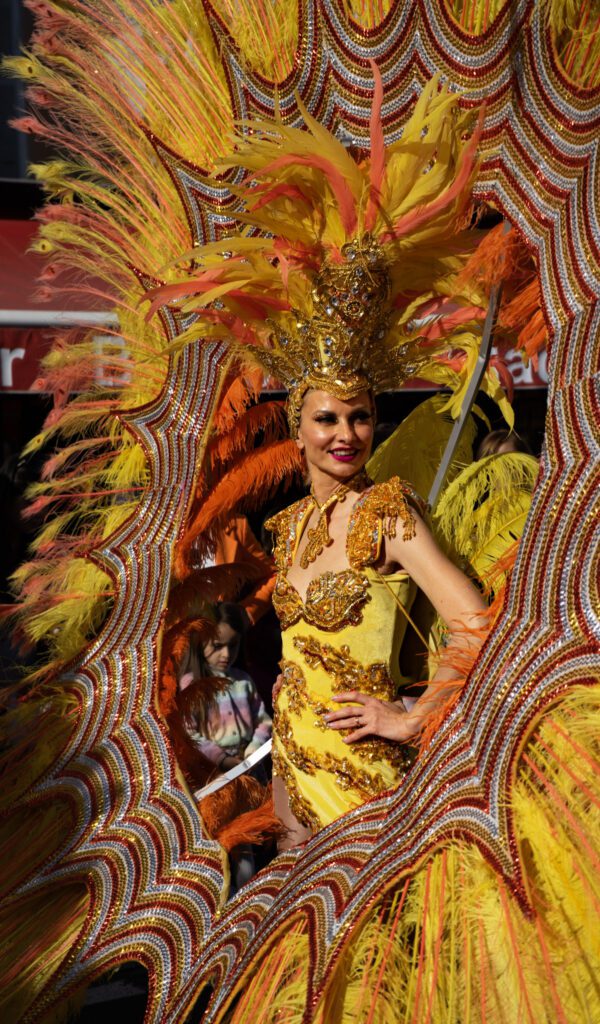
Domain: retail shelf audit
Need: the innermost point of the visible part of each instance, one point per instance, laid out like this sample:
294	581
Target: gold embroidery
286	602
333	600
309	761
376	683
293	685
317	538
299	805
374	517
299	697
284	525
348	674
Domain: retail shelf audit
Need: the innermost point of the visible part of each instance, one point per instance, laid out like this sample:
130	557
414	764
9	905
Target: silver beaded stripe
117	683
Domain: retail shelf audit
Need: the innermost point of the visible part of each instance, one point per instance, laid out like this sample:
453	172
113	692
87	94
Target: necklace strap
340	492
318	536
361	479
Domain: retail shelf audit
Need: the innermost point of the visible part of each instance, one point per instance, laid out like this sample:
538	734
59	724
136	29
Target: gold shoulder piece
284	525
375	516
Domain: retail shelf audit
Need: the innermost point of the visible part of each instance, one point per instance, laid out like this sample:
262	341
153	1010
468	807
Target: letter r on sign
7	357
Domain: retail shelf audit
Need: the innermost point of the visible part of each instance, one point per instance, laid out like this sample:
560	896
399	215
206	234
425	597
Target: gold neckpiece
318	536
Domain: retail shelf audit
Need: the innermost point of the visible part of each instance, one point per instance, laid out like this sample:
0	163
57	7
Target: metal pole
471	393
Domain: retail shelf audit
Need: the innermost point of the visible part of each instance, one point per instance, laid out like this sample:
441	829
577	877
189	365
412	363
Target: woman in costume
349	556
334	298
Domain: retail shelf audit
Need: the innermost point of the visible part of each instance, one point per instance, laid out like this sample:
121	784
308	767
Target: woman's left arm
461	606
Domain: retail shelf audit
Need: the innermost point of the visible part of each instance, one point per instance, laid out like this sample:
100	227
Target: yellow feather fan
482	512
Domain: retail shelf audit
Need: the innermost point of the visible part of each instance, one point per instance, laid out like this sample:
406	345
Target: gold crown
341	348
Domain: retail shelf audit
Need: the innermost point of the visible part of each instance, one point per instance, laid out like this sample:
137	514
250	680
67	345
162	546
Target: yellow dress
346	634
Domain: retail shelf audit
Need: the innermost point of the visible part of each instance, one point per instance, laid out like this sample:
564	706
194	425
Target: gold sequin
308	760
374	517
333	600
285	525
317	538
299	697
294	686
349	674
300	807
373	681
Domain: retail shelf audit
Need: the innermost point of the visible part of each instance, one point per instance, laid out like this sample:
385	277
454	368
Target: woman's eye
325	419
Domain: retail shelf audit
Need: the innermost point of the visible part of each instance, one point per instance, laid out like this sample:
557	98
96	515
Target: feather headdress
340	268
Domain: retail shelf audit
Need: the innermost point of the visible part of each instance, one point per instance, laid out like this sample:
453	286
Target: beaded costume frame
154	881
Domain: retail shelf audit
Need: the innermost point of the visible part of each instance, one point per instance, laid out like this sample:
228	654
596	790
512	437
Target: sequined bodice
337	599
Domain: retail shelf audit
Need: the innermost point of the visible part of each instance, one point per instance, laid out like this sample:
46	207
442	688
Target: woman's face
222	650
336	434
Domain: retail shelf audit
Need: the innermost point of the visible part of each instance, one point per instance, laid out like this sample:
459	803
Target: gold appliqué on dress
301	808
294	685
308	760
333	600
375	516
348	674
286	602
284	525
317	538
299	697
283	735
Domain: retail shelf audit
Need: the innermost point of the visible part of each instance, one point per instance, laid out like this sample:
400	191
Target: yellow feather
482	512
414	450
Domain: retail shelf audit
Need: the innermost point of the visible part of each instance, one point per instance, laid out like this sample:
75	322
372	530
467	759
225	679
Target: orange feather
268	418
248	483
377	165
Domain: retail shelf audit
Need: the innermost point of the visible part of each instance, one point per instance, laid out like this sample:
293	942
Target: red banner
22	349
21	352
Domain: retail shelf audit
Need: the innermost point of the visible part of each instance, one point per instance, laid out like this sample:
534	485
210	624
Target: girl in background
235	723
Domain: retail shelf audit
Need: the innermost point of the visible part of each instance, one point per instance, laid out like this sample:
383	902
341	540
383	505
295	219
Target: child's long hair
193	660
